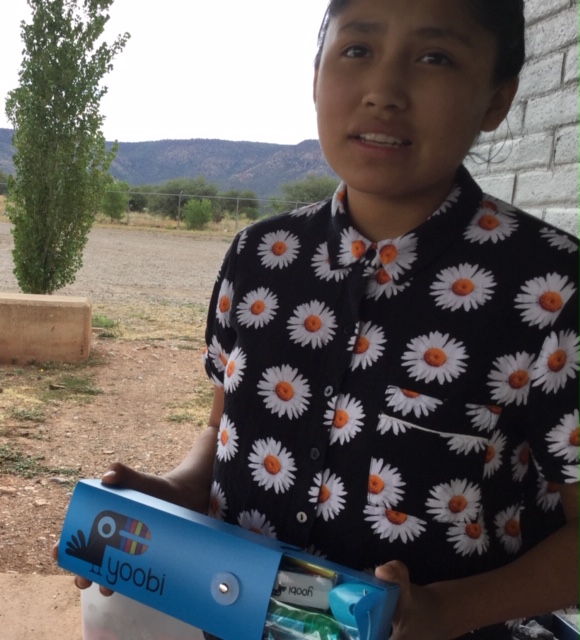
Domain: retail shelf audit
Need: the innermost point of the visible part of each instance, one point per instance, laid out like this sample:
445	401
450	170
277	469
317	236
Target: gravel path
122	264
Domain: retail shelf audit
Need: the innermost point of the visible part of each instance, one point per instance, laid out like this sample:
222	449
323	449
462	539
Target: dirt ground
143	399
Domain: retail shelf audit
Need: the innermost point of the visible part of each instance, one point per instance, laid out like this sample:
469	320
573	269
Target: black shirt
411	399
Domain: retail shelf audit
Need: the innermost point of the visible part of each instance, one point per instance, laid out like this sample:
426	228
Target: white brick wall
532	159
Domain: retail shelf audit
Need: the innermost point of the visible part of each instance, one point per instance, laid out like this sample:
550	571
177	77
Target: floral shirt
410	399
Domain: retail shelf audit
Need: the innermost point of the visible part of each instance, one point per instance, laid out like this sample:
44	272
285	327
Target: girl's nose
386	89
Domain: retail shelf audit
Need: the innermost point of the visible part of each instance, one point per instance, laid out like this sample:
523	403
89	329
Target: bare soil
142	398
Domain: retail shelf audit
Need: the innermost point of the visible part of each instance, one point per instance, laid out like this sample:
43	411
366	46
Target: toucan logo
125	534
110	529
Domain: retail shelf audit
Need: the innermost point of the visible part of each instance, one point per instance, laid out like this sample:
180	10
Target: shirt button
348	329
301	517
314	453
328	391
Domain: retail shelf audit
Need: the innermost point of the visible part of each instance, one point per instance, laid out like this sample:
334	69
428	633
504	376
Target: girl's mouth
382	140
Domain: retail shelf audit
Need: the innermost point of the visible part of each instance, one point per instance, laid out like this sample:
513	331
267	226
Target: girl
394	368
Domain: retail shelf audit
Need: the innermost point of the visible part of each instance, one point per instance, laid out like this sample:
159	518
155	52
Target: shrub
197	213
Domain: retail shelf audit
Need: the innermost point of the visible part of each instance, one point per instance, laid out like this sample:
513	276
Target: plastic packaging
119	618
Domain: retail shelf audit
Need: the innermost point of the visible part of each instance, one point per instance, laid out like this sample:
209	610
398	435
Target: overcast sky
222	69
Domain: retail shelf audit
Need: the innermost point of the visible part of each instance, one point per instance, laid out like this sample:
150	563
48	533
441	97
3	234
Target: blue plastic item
207	573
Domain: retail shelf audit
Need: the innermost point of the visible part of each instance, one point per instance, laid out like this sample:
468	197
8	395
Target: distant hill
258	166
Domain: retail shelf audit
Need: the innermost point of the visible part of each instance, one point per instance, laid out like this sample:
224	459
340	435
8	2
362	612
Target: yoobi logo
122	533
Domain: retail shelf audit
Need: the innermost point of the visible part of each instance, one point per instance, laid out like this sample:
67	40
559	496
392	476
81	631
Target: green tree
241	202
197	213
61	161
176	193
115	199
138	200
3	183
313	188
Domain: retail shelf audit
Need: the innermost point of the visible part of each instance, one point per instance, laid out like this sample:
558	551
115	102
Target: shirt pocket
429	458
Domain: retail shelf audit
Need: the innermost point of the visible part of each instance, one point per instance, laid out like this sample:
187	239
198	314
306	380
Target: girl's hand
418	610
165	488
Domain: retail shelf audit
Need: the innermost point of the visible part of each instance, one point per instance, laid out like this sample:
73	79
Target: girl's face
401	92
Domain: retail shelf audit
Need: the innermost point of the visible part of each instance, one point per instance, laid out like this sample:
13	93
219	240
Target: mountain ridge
258	166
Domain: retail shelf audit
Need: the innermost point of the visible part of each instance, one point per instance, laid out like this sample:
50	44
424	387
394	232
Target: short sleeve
220	337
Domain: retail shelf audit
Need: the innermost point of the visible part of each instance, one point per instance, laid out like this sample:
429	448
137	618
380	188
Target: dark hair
503	18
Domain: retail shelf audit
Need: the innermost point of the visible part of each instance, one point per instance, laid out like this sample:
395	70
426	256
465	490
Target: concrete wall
532	159
36	328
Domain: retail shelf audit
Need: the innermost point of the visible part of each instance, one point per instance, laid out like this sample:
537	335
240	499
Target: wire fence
295	204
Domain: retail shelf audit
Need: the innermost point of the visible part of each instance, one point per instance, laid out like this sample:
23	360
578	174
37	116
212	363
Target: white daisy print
278	249
542	299
218	382
520	461
511	377
435	357
393	525
385	486
557	362
559	240
345	418
572	473
217	355
339	200
272	464
285	391
548	496
491	224
464	287
493	456
353	246
382	284
312	324
405	401
258	308
255	521
508	528
328	494
224	305
451	199
234	369
469	537
321	265
398	255
456	501
484	417
367	347
242	241
227	439
309	209
217	502
388	424
464	444
564	438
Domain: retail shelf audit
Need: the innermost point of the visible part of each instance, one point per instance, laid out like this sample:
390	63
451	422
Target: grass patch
101	321
156	321
15	462
28	414
181	417
197	409
68	385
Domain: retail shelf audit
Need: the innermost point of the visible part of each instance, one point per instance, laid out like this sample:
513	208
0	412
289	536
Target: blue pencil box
232	583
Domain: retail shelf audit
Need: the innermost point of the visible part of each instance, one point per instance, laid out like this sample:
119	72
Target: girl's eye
356	51
439	59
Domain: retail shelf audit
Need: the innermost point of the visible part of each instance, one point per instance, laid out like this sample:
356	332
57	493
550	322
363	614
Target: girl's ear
500	104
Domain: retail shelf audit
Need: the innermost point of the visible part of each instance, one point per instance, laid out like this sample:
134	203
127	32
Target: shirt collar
403	256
